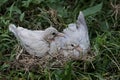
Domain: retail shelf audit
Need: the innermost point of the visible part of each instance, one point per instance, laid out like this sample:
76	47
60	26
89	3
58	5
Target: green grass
104	31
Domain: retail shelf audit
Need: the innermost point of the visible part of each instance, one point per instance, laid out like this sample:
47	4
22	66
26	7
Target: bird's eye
72	45
53	33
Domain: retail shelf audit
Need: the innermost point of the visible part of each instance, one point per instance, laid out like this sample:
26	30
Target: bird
79	31
35	42
75	43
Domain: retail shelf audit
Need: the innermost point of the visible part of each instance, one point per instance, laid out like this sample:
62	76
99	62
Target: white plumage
79	32
35	42
76	42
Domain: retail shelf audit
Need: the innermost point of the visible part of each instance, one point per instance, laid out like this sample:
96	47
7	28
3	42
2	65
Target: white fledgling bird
35	42
76	41
79	31
71	48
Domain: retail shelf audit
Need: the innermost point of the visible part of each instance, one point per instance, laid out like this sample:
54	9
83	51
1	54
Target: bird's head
72	44
51	33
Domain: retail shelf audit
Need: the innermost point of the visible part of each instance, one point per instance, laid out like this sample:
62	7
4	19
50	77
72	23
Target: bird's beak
57	35
60	35
50	40
79	49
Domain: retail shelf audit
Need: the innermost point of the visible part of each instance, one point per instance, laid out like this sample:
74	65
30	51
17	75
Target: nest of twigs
29	62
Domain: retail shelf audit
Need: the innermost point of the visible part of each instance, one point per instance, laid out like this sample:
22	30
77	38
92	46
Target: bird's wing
82	32
81	20
29	34
39	48
31	40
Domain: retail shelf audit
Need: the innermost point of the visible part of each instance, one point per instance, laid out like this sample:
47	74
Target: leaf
11	9
14	9
26	3
92	10
22	16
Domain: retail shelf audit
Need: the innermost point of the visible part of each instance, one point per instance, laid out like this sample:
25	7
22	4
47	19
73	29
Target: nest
29	62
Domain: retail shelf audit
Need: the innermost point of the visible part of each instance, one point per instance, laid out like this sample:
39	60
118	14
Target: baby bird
76	41
71	49
35	42
79	31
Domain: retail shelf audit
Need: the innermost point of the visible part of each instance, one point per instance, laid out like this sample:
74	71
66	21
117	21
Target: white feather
75	33
33	40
